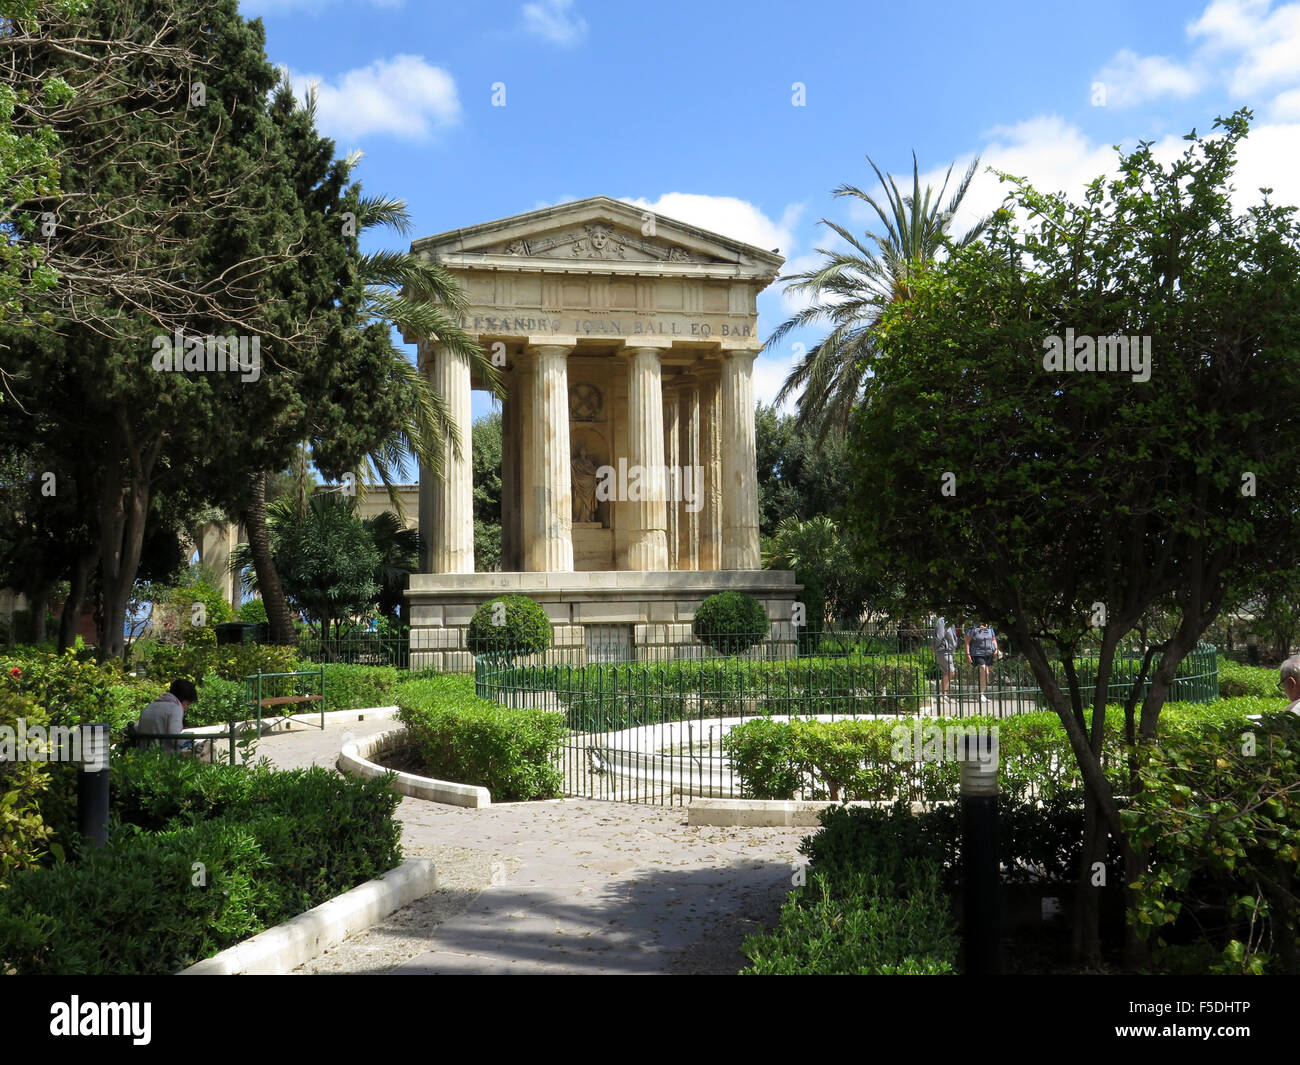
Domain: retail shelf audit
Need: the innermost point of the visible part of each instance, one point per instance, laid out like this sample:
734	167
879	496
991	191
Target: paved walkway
575	886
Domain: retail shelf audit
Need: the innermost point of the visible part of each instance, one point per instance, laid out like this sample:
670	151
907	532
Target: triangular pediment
596	231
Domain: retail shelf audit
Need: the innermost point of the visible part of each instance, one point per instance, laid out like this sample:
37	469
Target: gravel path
570	886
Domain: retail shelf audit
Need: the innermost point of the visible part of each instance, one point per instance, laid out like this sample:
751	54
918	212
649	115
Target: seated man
166	715
1290	684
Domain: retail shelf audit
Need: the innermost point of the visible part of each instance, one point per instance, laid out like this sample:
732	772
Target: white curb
765	813
354	758
282	949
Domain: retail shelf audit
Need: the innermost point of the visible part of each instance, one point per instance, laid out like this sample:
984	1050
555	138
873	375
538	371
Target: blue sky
687	107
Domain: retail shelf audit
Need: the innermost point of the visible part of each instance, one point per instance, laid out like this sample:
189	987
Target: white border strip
354	759
282	949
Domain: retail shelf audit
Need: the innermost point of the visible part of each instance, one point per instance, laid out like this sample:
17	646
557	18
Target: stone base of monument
620	615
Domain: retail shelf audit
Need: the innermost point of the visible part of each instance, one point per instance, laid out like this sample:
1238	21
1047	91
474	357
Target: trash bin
235	632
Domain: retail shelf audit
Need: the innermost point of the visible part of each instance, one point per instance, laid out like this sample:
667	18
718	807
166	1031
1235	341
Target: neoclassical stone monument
627	344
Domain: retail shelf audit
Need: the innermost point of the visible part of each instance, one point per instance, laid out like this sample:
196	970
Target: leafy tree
798	476
398	549
851	289
833	584
487	492
1052	502
327	561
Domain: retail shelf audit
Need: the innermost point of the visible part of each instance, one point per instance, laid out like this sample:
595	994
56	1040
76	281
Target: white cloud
1267	42
555	21
404	97
1130	79
727	216
1286	105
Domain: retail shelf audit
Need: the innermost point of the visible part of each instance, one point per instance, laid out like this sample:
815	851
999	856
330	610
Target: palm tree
851	289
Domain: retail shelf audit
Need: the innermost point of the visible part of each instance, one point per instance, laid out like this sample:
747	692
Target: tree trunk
1087	901
81	564
38	597
268	580
123	507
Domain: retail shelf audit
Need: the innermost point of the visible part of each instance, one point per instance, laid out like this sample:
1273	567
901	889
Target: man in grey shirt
166	715
1290	685
945	644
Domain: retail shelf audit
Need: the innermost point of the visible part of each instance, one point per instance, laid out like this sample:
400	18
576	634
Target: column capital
535	345
731	349
657	346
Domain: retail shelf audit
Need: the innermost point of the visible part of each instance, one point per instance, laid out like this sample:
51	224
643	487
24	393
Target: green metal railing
650	729
359	649
288	690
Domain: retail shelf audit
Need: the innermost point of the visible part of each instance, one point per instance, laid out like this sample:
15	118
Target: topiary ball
509	624
730	622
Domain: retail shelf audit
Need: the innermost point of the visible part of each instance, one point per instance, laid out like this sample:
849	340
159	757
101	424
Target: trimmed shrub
463	738
219	701
271	844
730	622
1238	680
510	624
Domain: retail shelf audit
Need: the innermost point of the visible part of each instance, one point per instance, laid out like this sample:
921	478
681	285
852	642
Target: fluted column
450	502
648	545
549	548
672	462
510	519
740	548
688	553
711	460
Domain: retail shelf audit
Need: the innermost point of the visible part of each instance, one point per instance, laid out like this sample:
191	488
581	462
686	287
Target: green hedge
855	759
469	740
1237	680
874	903
271	844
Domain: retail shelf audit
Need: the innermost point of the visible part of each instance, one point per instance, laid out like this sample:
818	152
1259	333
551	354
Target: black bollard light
92	785
981	879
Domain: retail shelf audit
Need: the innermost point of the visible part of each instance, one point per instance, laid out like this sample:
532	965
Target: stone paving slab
579	885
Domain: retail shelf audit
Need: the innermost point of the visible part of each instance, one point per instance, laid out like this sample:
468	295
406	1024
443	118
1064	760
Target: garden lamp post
981	879
92	784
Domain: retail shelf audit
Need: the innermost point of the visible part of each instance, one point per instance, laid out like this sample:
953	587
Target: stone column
648	545
688	553
740	548
672	460
510	537
549	547
450	504
711	460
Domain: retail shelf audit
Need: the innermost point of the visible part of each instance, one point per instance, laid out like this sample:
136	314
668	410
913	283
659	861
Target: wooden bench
262	702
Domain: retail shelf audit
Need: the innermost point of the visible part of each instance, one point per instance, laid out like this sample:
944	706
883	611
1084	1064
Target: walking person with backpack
945	648
981	650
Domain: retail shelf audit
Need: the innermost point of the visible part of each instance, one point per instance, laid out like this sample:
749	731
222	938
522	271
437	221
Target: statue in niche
583	467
